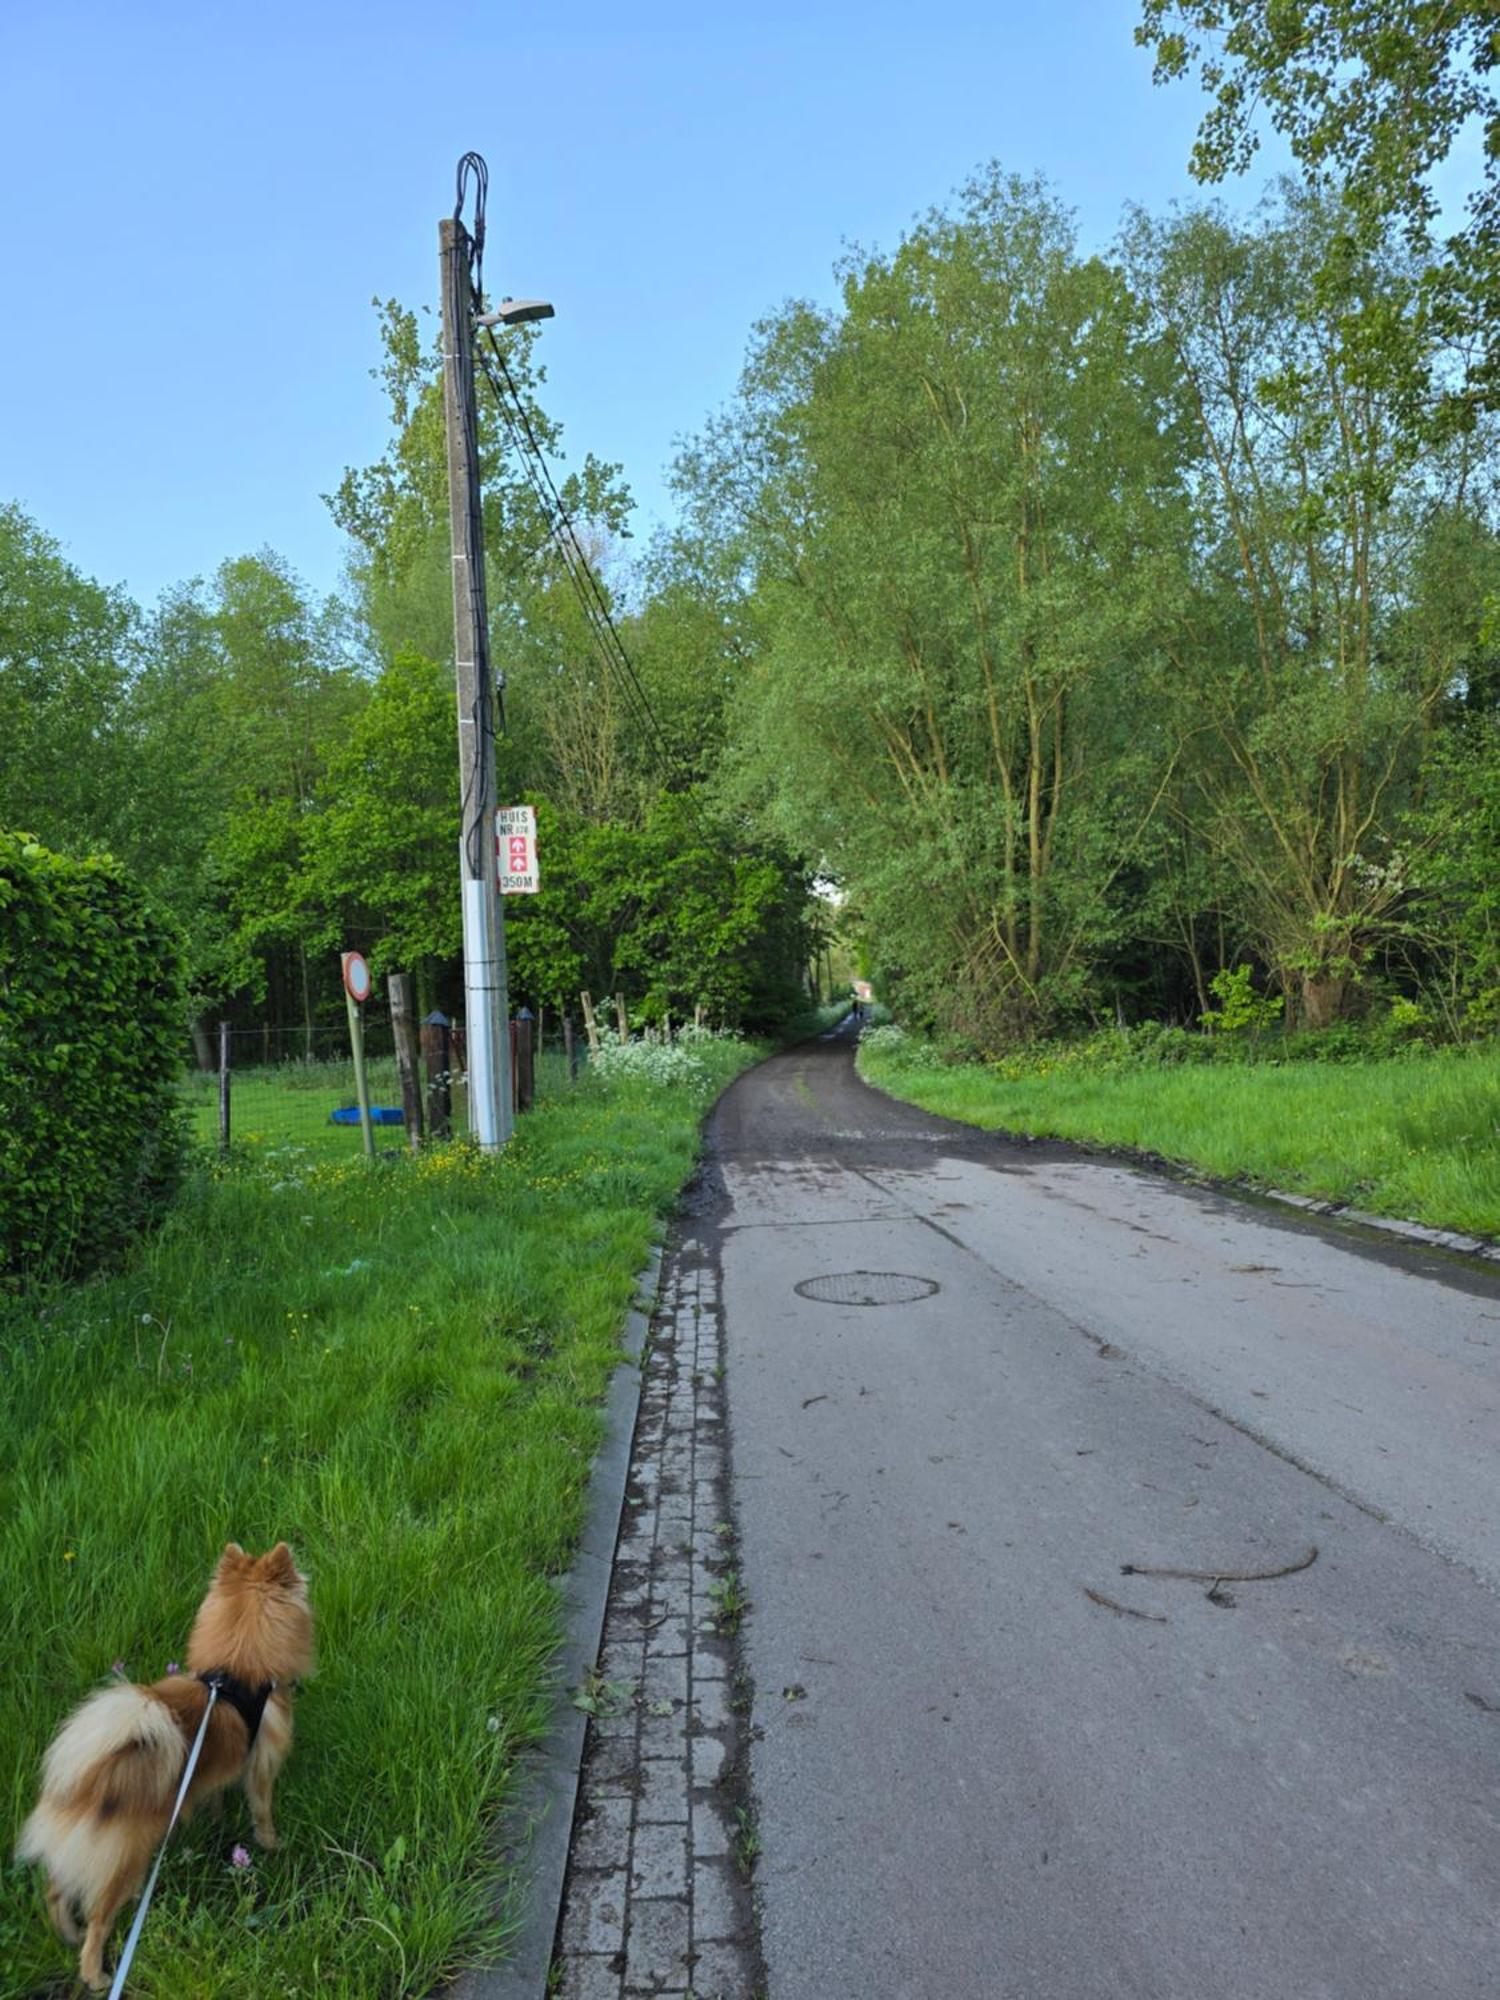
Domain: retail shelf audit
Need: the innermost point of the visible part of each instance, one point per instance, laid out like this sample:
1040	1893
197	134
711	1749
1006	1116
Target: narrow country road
968	1383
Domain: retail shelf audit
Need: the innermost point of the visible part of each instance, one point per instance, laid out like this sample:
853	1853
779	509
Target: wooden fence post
570	1054
437	1058
223	1086
622	1018
398	986
590	1024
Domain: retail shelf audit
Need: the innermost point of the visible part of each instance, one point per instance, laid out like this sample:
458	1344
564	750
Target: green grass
1416	1136
397	1367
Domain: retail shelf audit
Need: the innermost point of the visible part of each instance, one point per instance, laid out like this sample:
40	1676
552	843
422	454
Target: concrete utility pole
486	999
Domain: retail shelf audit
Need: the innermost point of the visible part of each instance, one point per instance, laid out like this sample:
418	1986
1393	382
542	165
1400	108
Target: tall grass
1416	1136
397	1367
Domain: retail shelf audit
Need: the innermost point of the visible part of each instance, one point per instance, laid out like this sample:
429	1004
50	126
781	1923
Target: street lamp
486	997
516	312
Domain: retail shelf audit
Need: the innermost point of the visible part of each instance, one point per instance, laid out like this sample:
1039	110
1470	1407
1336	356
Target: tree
67	649
673	911
1454	928
1372	99
1306	700
381	848
957	500
396	510
244	690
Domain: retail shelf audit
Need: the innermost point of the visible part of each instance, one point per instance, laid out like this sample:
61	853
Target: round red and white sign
357	980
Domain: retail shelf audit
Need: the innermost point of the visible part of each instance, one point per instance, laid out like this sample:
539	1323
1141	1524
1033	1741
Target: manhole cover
867	1288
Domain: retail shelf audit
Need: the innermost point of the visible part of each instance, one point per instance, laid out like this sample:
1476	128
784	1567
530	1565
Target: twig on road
1218	1576
1122	1610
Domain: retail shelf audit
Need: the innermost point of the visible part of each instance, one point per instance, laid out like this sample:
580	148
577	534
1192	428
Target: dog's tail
121	1752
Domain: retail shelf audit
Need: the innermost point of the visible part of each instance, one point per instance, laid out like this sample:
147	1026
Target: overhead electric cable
600	616
592	600
540	460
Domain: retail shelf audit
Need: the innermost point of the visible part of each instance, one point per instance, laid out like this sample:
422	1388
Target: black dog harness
249	1703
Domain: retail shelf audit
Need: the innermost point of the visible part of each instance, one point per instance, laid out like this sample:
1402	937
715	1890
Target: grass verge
398	1368
1416	1136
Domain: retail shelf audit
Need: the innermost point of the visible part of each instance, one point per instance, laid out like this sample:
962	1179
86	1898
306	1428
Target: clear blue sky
200	203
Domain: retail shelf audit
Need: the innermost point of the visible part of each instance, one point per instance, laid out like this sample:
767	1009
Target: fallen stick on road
1122	1610
1225	1575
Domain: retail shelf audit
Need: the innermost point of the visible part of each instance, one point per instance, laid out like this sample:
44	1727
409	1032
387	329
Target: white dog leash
145	1903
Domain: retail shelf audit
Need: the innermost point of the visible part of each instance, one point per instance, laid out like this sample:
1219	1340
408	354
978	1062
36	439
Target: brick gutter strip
547	1795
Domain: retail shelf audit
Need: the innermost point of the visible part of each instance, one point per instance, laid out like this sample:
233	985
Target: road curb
1452	1240
539	1820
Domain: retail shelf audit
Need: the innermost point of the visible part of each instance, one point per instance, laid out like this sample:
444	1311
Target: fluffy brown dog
111	1777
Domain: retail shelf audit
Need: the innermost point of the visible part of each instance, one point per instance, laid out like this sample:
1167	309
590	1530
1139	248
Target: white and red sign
357	981
515	851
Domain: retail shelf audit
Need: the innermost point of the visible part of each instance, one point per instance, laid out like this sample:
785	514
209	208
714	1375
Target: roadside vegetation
1114	630
1396	1127
398	1368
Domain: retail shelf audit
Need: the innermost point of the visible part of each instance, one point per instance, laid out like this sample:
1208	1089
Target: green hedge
91	1027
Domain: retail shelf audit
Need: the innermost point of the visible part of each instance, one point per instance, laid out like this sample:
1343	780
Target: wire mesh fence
295	1087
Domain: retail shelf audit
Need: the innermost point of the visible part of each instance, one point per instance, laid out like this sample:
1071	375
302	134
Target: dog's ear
278	1566
232	1559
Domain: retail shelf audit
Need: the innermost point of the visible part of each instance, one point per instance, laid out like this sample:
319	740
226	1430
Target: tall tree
67	649
396	510
1305	701
1373	99
380	851
957	497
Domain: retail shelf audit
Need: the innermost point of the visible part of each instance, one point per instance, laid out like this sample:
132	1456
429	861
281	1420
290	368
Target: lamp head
516	312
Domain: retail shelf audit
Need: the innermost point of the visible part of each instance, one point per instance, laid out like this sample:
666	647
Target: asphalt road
973	1777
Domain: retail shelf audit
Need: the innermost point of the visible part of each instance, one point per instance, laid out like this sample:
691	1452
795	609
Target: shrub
667	1064
1241	1010
91	1022
696	1033
895	1048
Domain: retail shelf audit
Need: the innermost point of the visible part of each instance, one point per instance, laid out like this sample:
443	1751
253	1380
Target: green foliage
66	650
1241	1010
1455	921
1152	1045
1372	100
668	911
1306	669
956	497
1404	1030
90	1019
396	510
382	847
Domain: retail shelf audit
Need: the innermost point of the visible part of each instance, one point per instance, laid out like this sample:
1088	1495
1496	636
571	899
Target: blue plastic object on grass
380	1114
